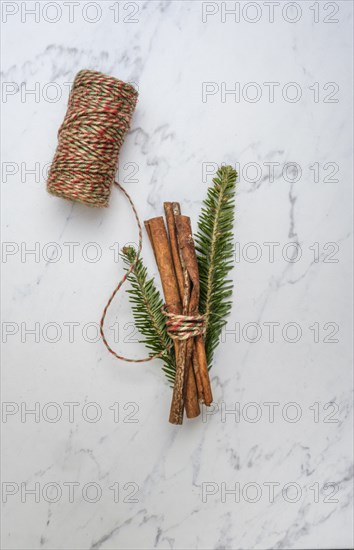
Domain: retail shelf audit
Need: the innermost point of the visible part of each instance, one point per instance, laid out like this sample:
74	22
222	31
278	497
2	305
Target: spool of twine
98	117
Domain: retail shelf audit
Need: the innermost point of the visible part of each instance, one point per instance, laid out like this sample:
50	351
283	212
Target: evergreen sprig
147	306
215	251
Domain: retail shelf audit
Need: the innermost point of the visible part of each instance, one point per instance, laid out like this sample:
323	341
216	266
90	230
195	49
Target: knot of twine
99	112
182	327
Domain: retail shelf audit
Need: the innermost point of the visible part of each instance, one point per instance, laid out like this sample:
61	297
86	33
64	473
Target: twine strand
179	327
120	284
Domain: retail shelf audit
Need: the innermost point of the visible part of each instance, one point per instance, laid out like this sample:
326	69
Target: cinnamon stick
186	244
172	209
158	237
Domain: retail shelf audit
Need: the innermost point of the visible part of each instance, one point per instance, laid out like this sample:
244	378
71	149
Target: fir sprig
214	244
147	306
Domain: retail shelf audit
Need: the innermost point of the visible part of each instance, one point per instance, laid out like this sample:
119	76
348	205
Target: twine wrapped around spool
98	117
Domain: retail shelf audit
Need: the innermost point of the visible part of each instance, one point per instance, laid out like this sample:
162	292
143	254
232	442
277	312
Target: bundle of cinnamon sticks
176	260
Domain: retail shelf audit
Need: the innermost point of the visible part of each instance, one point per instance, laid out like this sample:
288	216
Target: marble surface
97	465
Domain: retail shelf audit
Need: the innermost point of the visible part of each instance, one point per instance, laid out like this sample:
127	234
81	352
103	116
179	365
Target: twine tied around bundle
182	327
98	116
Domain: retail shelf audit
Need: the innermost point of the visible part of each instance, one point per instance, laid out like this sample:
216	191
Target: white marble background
179	474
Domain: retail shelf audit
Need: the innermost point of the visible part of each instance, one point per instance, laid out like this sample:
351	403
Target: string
180	327
120	284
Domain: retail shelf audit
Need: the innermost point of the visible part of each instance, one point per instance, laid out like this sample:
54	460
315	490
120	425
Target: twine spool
99	112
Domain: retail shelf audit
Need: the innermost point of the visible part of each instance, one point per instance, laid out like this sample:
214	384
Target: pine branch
214	244
147	305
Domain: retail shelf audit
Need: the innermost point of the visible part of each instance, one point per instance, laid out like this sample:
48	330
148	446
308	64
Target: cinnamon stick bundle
177	263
